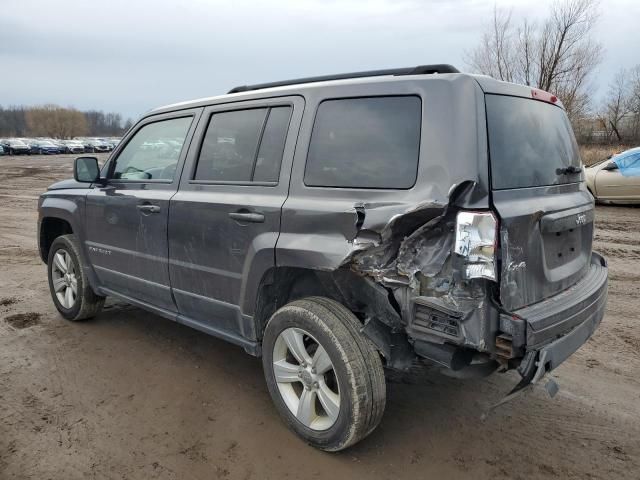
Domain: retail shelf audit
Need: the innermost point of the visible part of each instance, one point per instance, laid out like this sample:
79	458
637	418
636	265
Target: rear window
369	142
529	141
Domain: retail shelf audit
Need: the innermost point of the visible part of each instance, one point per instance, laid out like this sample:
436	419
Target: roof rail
419	70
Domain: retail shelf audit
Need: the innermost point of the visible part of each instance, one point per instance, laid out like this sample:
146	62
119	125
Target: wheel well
362	296
371	303
282	285
50	229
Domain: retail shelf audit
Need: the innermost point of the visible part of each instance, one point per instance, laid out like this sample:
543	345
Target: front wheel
70	290
325	378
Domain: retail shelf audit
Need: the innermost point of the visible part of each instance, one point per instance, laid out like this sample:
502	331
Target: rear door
546	213
126	219
225	220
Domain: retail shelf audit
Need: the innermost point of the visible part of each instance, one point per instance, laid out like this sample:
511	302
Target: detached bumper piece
557	352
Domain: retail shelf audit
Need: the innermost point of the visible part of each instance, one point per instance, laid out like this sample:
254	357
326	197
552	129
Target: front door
225	219
126	220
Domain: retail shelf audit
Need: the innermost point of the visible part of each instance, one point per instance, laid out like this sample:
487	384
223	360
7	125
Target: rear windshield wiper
571	169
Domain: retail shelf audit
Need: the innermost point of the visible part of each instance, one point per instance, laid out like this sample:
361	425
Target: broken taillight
476	240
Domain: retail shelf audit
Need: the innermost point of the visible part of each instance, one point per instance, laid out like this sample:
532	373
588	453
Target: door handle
148	208
246	217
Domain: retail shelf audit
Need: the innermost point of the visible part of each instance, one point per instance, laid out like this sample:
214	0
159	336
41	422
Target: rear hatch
546	213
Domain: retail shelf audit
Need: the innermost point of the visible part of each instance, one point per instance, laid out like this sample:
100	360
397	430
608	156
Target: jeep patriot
342	225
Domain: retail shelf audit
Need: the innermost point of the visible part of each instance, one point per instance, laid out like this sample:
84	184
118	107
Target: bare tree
616	105
556	55
54	121
493	56
634	102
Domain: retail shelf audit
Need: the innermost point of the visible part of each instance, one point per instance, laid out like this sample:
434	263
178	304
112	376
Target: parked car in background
112	142
15	146
73	146
55	141
616	179
44	147
86	143
110	146
1	150
98	145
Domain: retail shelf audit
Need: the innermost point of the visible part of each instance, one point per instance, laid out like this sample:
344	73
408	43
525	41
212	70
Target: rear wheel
70	290
325	377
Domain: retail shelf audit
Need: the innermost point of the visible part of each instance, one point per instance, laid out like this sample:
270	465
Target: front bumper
550	331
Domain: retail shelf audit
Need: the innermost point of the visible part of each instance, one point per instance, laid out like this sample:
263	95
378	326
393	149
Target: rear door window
371	142
244	145
267	165
530	142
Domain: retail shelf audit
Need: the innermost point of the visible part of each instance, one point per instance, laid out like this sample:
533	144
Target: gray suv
342	225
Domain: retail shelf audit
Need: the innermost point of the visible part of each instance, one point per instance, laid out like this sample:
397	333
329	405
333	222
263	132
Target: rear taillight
476	240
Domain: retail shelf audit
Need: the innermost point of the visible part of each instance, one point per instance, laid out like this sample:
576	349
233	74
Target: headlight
476	234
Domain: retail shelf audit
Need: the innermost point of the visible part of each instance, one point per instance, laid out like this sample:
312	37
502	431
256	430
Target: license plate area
566	237
562	247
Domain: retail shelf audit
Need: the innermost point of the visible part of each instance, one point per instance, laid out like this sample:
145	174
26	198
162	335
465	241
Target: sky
129	56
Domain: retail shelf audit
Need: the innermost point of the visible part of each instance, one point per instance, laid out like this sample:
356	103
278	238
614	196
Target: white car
616	179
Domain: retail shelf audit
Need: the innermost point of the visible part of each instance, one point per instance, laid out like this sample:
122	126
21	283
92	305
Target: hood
66	184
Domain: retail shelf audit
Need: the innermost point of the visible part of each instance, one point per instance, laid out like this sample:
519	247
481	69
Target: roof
297	86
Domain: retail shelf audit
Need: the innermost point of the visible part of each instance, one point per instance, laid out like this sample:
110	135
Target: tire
85	303
356	373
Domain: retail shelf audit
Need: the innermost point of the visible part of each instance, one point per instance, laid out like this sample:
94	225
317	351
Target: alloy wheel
65	281
306	379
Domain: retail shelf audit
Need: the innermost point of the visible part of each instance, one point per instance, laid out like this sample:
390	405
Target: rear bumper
551	330
553	354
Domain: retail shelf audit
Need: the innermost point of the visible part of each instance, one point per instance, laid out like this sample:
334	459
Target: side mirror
611	166
86	170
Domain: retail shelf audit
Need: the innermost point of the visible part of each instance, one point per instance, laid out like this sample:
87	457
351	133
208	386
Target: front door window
153	153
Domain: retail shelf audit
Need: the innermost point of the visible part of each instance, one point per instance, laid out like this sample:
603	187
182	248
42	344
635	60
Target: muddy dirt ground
131	395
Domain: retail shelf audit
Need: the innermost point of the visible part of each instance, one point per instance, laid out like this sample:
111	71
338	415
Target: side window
371	142
267	167
153	152
244	145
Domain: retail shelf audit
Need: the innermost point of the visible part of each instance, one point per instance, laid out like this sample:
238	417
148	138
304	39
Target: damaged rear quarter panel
363	230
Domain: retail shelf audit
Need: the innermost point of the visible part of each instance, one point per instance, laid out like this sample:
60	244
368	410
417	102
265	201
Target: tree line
59	122
559	54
